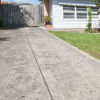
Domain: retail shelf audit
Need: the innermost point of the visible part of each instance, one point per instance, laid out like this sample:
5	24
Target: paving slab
15	50
70	73
20	78
24	83
35	65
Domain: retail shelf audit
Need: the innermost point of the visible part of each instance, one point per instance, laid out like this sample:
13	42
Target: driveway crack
50	94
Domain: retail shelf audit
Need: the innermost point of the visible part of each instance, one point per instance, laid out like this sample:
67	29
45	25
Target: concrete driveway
35	65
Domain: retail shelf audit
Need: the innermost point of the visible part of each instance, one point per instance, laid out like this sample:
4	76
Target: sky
24	1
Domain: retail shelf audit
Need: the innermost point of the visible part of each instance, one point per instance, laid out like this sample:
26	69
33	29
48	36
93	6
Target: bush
87	30
47	20
1	24
89	26
94	31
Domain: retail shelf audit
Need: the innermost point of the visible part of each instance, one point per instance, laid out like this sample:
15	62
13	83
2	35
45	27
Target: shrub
94	31
87	30
89	26
89	10
47	20
1	24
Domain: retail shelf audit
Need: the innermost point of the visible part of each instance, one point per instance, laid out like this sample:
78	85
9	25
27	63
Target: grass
87	42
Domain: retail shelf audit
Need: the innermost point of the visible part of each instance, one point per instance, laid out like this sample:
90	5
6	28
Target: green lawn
87	42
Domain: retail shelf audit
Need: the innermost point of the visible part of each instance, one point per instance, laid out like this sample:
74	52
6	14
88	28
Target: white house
71	13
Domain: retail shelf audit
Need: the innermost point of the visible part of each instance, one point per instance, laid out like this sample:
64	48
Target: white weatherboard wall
56	12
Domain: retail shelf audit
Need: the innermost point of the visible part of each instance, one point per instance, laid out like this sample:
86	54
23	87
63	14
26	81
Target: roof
25	4
13	3
77	4
4	2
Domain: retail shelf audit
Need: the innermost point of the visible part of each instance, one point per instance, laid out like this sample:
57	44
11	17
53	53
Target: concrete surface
35	65
20	78
80	30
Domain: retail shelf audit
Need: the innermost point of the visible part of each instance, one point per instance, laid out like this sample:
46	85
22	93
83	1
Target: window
69	8
94	13
78	12
69	15
69	12
81	16
81	12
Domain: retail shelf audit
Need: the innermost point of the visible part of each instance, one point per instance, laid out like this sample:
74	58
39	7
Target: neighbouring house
4	2
25	4
13	3
70	13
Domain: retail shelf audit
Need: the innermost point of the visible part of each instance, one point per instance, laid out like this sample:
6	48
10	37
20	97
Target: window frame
95	12
84	12
69	12
76	12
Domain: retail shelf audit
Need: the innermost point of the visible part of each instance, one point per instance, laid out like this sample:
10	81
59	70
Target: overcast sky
24	1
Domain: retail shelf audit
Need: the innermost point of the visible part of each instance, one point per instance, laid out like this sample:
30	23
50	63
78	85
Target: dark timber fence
22	15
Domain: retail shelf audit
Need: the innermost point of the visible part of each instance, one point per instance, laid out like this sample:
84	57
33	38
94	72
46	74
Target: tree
97	2
89	10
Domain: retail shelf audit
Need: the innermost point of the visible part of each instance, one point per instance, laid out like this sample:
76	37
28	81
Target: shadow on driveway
4	39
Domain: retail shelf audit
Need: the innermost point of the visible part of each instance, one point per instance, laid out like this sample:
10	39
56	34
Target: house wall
46	7
60	22
50	8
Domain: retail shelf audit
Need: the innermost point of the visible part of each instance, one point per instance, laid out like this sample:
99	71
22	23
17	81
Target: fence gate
22	15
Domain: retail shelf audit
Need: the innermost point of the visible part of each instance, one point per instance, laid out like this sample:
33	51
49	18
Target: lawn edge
75	48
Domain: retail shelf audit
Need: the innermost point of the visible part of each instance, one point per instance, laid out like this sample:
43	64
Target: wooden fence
22	15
